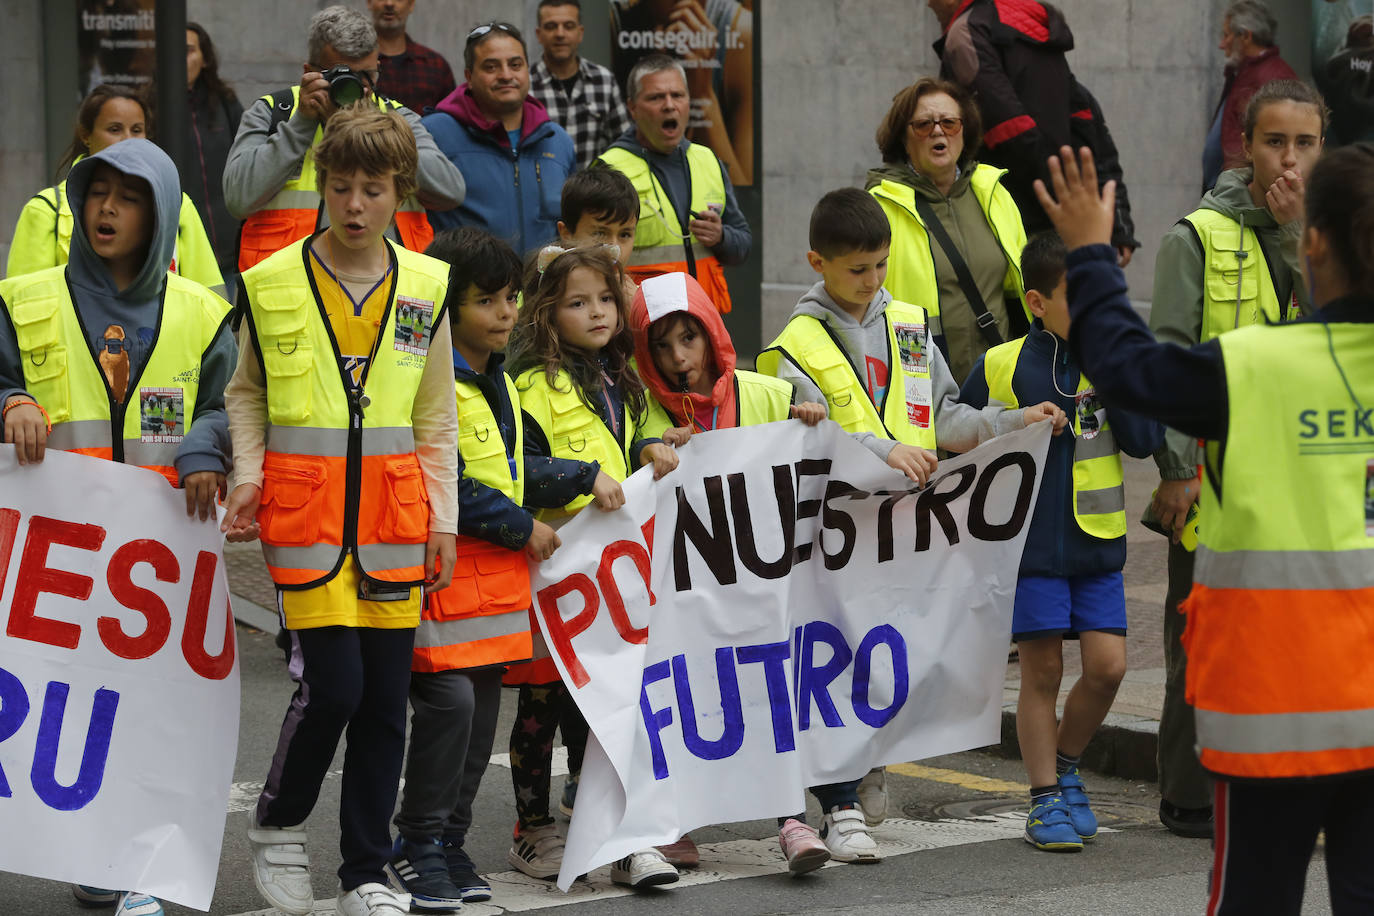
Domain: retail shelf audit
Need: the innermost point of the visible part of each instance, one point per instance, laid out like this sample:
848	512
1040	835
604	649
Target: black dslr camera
345	85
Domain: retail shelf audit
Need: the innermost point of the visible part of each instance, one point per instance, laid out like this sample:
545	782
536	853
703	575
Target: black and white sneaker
420	870
538	851
646	868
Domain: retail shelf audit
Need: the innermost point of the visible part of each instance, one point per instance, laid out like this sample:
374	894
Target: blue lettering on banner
14	709
812	682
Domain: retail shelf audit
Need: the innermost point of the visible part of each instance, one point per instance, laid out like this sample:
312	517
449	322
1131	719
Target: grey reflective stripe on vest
333	443
431	634
1285	569
80	434
667	254
390	556
293	199
1103	445
150	454
318	557
1273	733
1102	502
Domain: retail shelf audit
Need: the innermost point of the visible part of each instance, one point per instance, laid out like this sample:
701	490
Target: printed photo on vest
1369	498
911	345
917	401
414	321
1090	413
161	414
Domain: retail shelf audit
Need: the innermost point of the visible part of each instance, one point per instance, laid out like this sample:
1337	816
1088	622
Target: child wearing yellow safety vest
873	362
581	400
43	236
687	361
471	630
111	341
1070	584
346	436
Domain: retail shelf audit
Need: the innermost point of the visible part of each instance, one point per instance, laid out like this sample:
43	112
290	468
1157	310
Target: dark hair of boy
573	3
1044	262
476	258
846	221
601	191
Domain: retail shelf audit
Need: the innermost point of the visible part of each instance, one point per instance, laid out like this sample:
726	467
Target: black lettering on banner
713	545
978	524
833	519
934	502
786	499
809	508
885	510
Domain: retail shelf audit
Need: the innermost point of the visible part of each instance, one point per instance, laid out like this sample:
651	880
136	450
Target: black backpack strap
987	322
283	103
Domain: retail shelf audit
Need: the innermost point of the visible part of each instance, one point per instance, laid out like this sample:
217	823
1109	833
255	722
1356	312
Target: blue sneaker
419	869
89	896
471	886
133	903
1071	788
569	797
1049	826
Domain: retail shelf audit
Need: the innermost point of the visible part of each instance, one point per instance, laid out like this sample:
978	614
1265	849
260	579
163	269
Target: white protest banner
812	615
119	680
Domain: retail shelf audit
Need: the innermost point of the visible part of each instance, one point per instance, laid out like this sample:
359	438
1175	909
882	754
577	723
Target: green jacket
1176	310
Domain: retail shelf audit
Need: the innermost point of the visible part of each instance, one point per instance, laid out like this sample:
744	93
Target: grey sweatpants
452	728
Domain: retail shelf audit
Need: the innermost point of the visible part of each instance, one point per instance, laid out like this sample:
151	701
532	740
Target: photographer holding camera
269	178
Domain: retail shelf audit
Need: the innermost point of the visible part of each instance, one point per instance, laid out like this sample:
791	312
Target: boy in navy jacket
1070	580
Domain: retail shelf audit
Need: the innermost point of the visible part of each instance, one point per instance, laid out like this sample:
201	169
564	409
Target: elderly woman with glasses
956	233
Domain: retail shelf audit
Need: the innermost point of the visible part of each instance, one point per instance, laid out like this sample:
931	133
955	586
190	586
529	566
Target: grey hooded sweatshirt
958	427
137	309
1176	309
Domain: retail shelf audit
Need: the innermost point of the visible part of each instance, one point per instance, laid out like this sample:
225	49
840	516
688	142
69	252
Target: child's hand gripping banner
119	681
809	614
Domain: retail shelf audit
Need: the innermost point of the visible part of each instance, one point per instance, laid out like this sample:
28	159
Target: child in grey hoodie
157	348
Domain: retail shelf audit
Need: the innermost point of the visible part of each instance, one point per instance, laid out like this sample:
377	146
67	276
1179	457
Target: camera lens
344	86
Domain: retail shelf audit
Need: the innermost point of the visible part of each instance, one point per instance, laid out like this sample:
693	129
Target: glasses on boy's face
924	126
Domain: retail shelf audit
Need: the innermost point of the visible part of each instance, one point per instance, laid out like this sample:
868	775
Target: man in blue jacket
513	158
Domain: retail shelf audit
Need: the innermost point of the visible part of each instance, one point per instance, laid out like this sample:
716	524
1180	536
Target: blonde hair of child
363	138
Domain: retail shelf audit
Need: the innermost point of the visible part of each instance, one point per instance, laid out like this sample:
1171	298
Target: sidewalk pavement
1127	742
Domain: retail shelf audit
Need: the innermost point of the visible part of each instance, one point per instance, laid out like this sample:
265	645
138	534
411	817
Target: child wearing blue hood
111	336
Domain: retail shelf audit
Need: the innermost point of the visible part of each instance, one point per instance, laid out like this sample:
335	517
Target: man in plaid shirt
581	96
412	74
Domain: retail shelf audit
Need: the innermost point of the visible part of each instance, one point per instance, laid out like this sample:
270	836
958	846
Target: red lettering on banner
9	529
153	608
36	577
615	604
561	632
211	667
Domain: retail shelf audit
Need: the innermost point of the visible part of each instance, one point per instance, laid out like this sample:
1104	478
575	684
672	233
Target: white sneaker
372	900
847	837
646	868
281	868
873	796
538	852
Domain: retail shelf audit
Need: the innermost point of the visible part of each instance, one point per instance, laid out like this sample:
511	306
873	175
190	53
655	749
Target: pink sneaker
802	847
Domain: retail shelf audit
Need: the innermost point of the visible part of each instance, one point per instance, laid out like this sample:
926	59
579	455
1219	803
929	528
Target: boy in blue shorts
1070	582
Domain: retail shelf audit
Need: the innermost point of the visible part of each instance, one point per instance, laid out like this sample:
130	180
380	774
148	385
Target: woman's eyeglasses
924	126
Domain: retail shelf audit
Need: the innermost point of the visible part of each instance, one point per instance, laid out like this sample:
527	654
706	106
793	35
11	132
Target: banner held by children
782	611
119	680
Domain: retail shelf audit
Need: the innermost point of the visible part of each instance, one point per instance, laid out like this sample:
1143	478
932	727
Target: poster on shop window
115	43
714	40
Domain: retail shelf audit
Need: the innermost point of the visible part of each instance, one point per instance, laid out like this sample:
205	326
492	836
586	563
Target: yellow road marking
958	778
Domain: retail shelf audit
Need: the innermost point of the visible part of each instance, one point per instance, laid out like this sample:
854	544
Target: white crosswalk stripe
513	892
